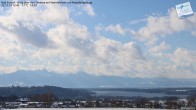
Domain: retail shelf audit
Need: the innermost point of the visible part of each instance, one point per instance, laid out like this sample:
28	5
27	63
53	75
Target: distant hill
57	91
84	80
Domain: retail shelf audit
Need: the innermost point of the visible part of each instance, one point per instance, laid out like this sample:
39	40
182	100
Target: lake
134	94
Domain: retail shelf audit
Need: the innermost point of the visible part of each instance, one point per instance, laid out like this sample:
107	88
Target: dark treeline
32	91
8	98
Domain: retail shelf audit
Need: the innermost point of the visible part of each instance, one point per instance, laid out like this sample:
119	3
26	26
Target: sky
128	38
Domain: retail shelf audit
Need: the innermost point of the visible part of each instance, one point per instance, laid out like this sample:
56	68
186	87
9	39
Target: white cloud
89	10
184	57
114	58
180	64
162	26
184	63
32	36
107	48
159	48
48	14
29	24
138	21
116	29
193	33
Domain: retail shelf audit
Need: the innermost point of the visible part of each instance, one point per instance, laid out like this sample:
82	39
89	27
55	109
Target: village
170	103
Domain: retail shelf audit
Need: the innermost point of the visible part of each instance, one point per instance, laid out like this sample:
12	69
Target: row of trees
46	97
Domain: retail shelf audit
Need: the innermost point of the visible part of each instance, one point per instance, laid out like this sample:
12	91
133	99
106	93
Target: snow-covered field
87	109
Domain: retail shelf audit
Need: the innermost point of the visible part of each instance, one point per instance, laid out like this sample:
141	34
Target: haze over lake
134	94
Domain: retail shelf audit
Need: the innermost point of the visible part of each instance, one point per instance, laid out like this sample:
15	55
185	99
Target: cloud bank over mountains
83	80
47	38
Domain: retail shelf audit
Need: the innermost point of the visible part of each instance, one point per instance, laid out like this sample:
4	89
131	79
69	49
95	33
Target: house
58	105
23	105
12	104
54	105
35	104
23	100
183	102
162	103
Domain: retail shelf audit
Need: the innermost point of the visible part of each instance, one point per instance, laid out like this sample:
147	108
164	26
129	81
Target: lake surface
134	94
